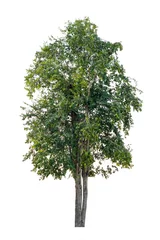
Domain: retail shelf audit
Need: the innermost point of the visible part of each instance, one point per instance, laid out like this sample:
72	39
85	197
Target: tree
80	111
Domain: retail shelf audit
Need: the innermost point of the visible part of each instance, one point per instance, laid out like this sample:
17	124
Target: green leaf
81	104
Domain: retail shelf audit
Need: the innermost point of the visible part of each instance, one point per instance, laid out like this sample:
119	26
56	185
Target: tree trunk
78	197
85	196
80	200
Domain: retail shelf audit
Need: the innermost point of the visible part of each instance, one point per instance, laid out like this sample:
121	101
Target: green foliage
82	104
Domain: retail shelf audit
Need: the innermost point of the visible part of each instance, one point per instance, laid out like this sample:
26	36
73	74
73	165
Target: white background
126	206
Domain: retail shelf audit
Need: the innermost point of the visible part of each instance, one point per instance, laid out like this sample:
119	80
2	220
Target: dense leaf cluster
82	104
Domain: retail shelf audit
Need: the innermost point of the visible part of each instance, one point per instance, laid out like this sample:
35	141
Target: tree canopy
81	105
